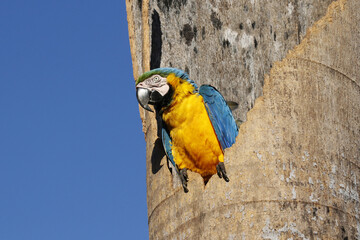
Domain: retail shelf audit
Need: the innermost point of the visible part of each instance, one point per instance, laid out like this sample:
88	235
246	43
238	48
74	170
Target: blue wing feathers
220	116
166	140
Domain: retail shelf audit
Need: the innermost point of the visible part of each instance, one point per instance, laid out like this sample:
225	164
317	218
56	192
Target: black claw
184	175
220	168
184	179
226	178
218	171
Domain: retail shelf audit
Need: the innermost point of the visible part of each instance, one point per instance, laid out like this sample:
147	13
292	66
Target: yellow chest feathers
194	142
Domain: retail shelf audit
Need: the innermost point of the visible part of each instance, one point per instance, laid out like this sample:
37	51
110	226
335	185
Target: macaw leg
220	168
184	179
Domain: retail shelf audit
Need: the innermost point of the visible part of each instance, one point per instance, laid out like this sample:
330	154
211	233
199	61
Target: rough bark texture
294	169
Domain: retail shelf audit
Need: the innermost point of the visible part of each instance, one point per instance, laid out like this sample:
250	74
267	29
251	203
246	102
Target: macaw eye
156	79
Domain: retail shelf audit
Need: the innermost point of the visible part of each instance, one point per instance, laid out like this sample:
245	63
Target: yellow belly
194	142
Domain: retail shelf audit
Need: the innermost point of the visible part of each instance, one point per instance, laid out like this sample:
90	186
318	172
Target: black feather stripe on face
166	102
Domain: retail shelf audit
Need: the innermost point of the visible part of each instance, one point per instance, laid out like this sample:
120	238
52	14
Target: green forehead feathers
163	72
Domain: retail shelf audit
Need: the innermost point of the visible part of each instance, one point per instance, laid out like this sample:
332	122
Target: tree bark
295	166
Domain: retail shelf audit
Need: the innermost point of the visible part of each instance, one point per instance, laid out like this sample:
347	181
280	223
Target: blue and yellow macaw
197	124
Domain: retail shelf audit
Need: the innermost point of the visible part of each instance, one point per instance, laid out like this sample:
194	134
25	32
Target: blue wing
220	116
166	140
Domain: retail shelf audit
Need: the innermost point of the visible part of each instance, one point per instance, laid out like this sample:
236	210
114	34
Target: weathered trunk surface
294	170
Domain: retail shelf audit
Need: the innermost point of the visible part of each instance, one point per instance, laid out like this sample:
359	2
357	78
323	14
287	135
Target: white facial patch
163	89
155	83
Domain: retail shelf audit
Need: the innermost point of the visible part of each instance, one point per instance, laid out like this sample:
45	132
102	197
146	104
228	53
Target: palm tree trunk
295	167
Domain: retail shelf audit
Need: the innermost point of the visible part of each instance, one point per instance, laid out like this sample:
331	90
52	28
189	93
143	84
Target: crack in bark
261	201
329	67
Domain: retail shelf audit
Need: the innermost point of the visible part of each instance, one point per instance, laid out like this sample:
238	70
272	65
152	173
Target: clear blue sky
72	153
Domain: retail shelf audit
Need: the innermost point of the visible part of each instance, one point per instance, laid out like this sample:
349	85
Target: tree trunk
294	169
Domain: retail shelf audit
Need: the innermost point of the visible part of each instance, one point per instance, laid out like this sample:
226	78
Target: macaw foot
220	168
184	179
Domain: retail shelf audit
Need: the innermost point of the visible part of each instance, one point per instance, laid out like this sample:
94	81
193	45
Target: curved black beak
143	97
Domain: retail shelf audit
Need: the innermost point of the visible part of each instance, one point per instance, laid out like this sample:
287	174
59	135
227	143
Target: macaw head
153	87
